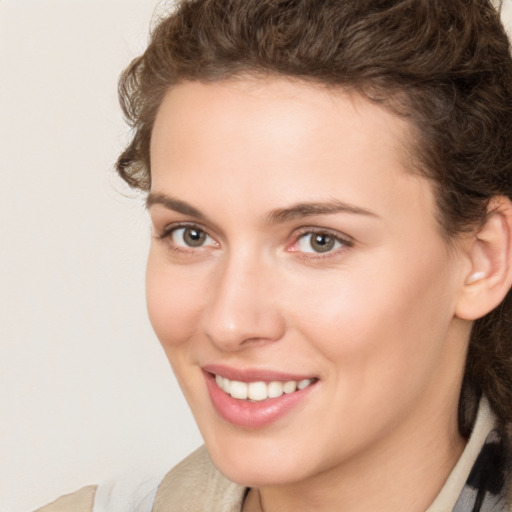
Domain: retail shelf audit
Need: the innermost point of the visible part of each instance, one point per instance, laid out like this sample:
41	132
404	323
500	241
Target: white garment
485	422
128	494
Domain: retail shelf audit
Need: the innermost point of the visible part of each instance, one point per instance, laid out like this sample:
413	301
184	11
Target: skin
374	319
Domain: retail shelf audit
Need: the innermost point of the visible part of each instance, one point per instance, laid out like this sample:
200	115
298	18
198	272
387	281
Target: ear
489	277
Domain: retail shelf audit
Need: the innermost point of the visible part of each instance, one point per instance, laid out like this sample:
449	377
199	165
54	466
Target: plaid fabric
485	488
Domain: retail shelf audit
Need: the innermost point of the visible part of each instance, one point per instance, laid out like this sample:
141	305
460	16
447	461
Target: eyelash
168	232
343	242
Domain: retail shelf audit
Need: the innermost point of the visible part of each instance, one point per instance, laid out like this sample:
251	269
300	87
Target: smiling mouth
258	391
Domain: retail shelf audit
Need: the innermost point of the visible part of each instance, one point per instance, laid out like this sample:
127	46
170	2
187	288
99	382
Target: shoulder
195	484
79	501
132	491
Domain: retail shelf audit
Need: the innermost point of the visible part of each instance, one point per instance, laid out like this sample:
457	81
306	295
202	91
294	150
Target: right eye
189	237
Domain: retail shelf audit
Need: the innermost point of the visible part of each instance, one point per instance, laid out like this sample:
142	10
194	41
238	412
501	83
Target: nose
243	308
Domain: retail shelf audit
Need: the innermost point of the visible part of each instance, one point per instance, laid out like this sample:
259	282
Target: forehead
281	140
275	109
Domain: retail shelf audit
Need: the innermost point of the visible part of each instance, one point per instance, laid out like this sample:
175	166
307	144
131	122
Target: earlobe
490	255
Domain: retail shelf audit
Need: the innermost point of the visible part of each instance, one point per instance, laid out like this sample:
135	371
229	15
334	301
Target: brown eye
322	242
318	243
194	237
190	236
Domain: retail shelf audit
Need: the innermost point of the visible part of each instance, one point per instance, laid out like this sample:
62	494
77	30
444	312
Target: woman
329	186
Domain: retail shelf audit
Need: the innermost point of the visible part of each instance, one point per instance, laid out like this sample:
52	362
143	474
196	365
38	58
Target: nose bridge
241	306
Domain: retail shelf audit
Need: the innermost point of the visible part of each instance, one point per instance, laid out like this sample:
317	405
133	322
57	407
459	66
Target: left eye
318	242
189	236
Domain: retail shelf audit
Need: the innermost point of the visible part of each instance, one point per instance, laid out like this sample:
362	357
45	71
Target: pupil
322	243
194	237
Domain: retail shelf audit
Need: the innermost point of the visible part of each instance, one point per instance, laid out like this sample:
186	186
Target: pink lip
253	375
252	414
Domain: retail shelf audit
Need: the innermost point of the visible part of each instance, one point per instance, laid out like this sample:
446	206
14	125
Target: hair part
443	65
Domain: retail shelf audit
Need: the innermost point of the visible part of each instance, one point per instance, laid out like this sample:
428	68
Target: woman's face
297	261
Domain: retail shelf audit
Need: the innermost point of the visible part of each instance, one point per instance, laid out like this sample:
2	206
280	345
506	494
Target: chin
251	474
259	464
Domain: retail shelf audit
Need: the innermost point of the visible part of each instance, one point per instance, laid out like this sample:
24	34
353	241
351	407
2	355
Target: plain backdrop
85	389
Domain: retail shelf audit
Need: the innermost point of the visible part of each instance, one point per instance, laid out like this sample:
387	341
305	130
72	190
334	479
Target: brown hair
445	65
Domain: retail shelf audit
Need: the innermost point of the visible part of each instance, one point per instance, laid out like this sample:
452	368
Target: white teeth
290	386
238	389
275	389
222	383
226	385
258	391
304	383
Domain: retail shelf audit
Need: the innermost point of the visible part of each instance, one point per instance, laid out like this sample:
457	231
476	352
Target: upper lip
253	374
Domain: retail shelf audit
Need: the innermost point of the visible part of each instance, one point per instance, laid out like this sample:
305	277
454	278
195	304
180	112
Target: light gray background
85	390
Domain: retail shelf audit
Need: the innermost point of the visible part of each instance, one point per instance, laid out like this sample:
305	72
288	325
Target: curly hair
444	65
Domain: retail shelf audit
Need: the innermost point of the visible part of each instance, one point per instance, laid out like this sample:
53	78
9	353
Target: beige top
79	501
195	484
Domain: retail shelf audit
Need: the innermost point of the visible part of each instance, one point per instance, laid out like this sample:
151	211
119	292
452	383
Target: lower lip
253	414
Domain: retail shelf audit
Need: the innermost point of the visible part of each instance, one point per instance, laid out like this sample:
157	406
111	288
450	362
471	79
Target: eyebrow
173	204
278	216
301	210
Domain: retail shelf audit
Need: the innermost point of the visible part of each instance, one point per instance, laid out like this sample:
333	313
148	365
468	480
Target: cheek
380	317
173	302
